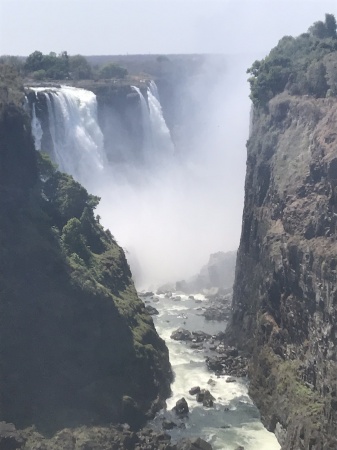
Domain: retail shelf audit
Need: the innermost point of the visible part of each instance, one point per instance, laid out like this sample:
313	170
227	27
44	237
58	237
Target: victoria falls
168	249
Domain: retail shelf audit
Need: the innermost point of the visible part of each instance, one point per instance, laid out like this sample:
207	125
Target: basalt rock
205	397
194	390
182	335
285	291
181	408
151	310
194	444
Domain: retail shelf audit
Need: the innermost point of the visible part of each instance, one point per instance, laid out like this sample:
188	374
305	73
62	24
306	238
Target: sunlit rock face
284	305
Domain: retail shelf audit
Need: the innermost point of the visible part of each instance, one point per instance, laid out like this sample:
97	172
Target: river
234	420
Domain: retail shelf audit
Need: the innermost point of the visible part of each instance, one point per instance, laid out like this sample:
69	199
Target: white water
36	129
146	124
160	133
157	141
78	143
242	417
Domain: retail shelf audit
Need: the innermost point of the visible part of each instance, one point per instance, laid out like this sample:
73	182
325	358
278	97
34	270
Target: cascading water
157	140
160	133
78	144
36	129
146	124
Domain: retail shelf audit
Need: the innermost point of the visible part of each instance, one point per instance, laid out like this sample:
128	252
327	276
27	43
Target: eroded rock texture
285	292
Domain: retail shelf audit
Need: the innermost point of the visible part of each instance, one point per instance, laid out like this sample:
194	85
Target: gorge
85	353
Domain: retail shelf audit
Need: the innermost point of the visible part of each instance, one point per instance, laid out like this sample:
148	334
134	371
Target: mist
171	215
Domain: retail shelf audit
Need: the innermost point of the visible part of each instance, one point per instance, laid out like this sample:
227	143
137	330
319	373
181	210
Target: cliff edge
76	343
285	291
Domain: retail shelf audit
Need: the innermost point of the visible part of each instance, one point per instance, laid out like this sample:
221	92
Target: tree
66	198
55	66
13	61
79	68
34	62
112	70
73	239
330	25
318	30
317	79
326	29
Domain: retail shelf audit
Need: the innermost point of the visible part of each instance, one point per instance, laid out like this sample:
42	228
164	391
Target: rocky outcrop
285	291
217	276
76	343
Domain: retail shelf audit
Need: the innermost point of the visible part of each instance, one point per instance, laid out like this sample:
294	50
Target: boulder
205	397
230	380
181	408
193	444
151	310
194	390
181	334
147	294
168	424
200	336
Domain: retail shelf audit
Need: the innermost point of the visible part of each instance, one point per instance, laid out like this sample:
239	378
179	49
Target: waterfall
77	140
160	133
146	124
36	129
157	138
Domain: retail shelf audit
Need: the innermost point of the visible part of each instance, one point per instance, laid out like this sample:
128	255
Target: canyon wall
285	292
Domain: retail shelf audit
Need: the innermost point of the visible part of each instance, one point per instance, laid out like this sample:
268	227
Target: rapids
233	409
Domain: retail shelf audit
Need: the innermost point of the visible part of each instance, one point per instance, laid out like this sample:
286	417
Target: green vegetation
11	90
112	70
74	336
305	401
302	65
63	66
79	68
51	66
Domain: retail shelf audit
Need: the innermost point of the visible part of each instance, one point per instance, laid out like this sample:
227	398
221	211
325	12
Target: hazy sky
153	26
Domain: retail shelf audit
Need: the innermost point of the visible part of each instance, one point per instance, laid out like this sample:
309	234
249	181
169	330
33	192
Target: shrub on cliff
296	65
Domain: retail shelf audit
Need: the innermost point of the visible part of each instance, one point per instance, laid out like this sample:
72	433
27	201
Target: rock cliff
76	343
285	291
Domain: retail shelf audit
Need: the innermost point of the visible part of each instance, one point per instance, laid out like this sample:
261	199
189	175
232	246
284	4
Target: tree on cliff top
112	70
54	66
296	65
323	30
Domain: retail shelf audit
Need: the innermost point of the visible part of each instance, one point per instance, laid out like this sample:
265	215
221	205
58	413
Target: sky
153	26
